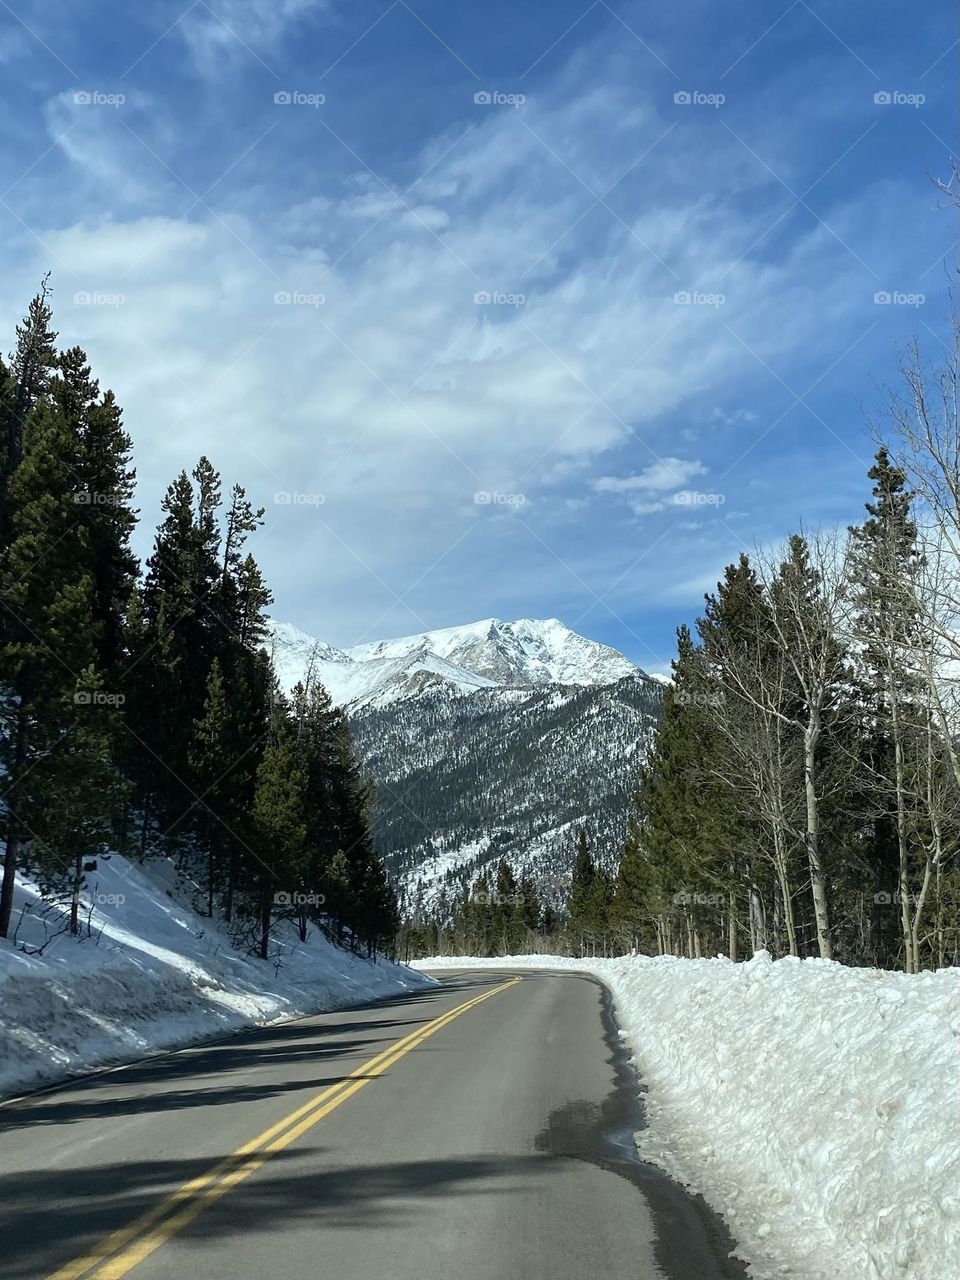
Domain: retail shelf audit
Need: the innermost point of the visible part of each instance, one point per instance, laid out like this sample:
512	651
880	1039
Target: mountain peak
527	653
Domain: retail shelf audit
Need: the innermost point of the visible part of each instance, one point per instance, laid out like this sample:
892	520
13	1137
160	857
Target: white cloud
398	396
665	473
734	417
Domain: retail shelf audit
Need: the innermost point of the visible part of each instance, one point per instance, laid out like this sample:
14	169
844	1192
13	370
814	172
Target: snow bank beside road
816	1107
160	976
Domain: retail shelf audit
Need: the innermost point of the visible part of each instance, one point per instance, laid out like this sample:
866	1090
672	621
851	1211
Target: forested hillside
803	792
139	711
503	773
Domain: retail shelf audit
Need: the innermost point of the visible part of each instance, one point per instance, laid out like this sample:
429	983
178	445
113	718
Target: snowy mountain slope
527	653
486	741
293	653
153	975
463	782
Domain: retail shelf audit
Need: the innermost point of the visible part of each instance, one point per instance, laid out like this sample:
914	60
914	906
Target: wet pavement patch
692	1242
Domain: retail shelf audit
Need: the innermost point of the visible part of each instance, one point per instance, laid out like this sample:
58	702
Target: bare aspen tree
787	667
809	605
931	774
759	757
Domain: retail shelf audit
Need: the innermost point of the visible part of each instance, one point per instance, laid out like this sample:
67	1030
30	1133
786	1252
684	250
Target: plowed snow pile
153	975
816	1107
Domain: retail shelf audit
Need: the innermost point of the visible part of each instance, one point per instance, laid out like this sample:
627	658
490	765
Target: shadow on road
47	1219
143	1086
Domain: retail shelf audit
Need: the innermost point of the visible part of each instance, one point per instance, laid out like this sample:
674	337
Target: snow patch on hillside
815	1106
154	975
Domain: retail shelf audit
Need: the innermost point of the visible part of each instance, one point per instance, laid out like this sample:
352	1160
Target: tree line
803	791
139	709
501	914
497	914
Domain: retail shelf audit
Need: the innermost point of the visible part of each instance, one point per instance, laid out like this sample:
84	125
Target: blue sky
539	310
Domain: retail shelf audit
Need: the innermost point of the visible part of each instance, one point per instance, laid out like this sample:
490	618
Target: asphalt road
480	1130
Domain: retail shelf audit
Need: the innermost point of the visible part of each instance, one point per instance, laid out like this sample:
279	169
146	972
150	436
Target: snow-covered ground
426	887
155	975
816	1107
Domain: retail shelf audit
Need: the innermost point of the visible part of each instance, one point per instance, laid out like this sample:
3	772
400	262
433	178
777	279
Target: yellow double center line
122	1250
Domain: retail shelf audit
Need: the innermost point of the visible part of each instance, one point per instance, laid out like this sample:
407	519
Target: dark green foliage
798	755
497	915
660	870
885	563
143	714
22	386
589	914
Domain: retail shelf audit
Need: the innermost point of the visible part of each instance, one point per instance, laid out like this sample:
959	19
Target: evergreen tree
179	636
803	608
337	892
22	387
105	483
600	909
886	561
164	688
531	909
661	869
215	754
49	638
579	901
742	777
278	824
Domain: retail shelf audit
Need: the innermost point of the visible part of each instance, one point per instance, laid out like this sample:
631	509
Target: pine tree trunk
231	885
75	897
124	833
265	929
903	851
783	875
786	894
144	826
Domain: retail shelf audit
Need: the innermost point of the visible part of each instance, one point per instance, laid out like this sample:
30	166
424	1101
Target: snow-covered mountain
504	773
526	654
486	741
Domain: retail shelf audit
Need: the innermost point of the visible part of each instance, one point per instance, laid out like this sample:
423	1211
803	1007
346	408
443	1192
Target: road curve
480	1129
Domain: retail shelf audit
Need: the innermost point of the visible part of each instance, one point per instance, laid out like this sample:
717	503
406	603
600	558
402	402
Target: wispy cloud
545	303
665	473
219	32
